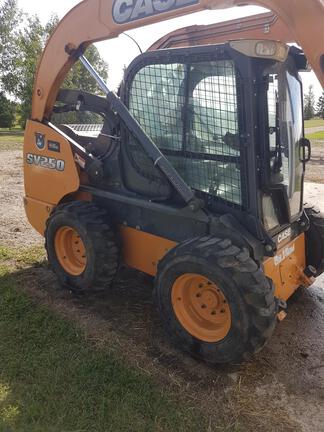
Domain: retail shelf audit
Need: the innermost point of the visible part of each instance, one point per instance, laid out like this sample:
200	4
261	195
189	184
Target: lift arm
153	152
95	20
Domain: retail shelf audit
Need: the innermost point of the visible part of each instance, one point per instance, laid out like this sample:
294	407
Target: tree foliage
20	50
10	17
79	78
320	106
31	42
309	104
7	112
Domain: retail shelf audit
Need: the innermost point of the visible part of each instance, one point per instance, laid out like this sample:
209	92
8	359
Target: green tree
10	18
7	112
22	40
29	43
320	106
309	104
79	78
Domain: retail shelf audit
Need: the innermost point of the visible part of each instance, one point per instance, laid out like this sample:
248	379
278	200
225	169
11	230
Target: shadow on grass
53	378
73	373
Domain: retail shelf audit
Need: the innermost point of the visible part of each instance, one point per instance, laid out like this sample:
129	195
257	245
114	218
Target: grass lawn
316	136
53	379
11	140
314	123
14	129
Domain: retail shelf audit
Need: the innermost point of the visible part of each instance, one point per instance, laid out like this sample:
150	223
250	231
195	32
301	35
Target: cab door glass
294	128
279	150
285	131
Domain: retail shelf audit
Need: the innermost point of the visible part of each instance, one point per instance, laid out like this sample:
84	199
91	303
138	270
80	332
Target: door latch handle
305	151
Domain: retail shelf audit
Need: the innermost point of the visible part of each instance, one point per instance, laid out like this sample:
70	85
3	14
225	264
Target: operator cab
228	117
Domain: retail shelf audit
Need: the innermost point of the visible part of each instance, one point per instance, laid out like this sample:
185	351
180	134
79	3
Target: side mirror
305	151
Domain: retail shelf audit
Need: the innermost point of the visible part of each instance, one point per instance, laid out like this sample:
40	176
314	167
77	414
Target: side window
212	139
213	105
190	112
156	101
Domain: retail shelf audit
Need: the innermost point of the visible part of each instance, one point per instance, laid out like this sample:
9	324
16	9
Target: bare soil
315	167
15	230
281	389
314	129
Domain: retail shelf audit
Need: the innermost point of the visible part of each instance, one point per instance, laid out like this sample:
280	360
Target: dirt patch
15	230
281	389
314	129
315	167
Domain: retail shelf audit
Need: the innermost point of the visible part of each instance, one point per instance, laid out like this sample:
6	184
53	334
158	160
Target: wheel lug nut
213	313
203	306
222	310
200	285
198	295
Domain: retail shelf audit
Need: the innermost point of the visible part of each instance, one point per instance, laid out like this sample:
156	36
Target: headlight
262	49
265	48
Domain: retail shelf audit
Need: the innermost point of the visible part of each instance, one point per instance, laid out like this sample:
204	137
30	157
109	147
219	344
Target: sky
119	52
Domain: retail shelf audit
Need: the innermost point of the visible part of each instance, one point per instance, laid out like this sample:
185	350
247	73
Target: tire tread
94	220
257	289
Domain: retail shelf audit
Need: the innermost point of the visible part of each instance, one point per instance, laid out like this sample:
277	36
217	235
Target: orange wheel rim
201	307
70	250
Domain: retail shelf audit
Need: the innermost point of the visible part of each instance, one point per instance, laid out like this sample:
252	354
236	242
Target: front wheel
214	301
81	247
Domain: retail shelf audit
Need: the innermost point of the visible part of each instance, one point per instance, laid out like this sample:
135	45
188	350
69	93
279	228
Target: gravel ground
281	389
315	129
315	167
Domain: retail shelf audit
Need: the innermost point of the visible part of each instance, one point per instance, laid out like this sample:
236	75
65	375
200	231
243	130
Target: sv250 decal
45	162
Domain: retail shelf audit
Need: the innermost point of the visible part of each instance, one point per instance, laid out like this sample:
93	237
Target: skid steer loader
196	175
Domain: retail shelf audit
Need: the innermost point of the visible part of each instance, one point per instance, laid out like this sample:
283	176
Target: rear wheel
81	246
315	239
214	301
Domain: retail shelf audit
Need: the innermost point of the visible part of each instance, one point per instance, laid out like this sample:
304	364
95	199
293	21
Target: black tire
249	293
101	247
315	239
